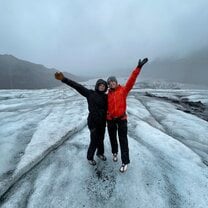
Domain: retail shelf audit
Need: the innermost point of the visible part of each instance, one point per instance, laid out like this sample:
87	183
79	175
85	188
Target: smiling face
101	87
112	84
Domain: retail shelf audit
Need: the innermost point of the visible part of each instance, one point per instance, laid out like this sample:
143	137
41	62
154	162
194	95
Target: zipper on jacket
115	103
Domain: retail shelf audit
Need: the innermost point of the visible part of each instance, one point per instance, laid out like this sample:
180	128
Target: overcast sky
93	37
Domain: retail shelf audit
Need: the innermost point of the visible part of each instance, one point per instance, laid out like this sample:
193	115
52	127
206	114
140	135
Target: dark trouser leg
122	134
112	131
93	144
100	138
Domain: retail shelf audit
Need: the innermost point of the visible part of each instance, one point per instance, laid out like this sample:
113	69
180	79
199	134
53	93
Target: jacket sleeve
132	79
78	87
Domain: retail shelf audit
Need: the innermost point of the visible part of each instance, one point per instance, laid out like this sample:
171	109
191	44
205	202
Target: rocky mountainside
20	74
192	69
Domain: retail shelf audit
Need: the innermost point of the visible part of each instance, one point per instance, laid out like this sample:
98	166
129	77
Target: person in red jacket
116	114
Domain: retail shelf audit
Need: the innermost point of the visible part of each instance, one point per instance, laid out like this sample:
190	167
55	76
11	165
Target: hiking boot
102	157
92	162
115	158
123	168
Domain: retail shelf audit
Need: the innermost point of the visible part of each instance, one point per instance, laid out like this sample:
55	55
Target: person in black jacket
97	106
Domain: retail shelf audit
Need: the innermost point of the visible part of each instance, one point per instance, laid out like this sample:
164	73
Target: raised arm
78	87
132	79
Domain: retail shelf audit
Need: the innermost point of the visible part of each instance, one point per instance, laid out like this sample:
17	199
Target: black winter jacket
97	102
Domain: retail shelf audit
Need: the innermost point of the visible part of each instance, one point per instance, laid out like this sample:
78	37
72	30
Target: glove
59	75
141	63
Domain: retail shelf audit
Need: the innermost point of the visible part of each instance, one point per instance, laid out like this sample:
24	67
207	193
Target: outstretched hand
142	62
59	75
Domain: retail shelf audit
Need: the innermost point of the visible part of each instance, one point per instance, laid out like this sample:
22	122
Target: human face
112	84
101	87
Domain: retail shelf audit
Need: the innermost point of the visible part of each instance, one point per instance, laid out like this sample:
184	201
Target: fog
95	37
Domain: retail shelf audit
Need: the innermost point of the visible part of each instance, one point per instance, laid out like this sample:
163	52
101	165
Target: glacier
44	139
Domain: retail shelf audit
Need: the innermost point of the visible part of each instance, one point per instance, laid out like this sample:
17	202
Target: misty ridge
192	69
20	74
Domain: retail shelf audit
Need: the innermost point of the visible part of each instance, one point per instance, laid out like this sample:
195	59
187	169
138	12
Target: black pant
97	135
120	126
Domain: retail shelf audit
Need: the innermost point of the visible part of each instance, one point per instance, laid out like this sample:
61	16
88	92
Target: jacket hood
101	81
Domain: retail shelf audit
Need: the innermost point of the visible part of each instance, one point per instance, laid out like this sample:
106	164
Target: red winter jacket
117	97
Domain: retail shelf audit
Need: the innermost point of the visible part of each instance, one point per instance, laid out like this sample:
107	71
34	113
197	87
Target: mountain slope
191	69
19	74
